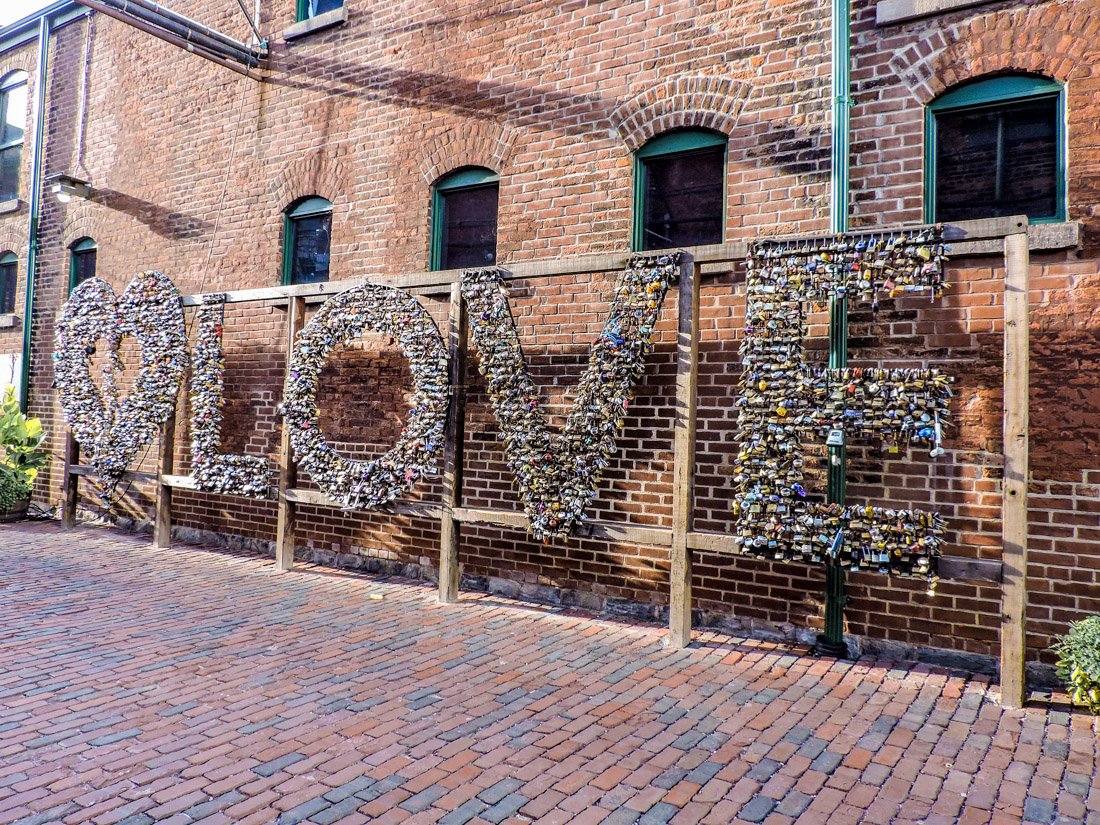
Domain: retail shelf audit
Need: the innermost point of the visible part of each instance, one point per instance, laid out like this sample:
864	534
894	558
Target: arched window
81	262
679	190
307	234
464	219
996	147
8	264
13	121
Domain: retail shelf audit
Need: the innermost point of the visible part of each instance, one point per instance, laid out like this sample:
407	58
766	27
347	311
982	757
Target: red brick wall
194	166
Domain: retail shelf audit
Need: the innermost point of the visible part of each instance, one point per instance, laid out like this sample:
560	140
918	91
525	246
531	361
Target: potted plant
23	455
1079	662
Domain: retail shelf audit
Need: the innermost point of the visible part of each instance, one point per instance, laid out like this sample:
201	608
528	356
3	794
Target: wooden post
1014	486
162	527
452	451
285	538
687	369
70	485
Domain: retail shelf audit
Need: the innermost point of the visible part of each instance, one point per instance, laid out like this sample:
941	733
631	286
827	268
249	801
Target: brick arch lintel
702	101
997	43
81	221
476	143
317	173
13	240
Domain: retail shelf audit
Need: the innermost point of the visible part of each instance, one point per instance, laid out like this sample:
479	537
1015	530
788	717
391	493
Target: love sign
783	399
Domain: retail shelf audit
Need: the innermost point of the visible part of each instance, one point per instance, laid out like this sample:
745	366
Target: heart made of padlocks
340	321
113	428
557	474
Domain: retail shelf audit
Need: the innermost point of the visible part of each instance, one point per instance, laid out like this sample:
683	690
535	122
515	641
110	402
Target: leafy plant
1079	662
21	439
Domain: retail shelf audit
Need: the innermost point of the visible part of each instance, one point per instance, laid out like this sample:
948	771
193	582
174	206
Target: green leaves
21	440
1079	662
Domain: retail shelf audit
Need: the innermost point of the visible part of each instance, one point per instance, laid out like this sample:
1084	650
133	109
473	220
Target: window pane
469	230
316	7
310	249
998	161
13	107
9	172
683	199
7	288
83	266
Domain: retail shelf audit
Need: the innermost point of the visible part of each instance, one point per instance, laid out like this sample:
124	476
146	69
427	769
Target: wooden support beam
70	484
716	255
87	471
683	471
452	451
162	527
285	538
1014	486
401	508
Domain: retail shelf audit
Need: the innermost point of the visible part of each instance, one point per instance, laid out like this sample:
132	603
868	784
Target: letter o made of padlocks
340	321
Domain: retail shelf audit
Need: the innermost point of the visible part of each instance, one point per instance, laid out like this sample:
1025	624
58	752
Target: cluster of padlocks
784	400
111	428
242	475
557	474
340	321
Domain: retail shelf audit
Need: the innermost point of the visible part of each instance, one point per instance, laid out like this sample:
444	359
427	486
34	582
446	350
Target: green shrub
21	440
1079	662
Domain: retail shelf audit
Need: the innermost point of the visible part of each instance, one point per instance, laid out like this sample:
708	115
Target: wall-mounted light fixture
67	187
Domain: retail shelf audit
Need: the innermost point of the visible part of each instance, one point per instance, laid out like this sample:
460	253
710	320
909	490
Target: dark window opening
996	147
308	237
82	262
464	220
683	199
8	264
679	190
998	161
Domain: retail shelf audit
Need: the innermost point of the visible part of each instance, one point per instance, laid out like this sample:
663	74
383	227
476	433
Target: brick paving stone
757	808
238	698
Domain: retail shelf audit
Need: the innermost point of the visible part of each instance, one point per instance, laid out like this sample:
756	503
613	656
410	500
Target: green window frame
13	128
82	258
307	9
665	145
990	94
9	262
301	210
462	180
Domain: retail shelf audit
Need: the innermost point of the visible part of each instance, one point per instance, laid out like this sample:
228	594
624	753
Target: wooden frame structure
970	238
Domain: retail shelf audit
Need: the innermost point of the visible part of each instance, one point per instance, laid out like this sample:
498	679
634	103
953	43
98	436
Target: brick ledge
336	17
891	12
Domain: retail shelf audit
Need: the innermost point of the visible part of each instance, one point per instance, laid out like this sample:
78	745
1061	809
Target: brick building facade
193	168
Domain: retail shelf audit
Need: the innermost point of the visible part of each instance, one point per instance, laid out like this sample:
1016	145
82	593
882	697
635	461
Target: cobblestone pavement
188	685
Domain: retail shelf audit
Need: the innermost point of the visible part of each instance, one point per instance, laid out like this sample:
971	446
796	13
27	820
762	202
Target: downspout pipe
42	83
831	642
842	82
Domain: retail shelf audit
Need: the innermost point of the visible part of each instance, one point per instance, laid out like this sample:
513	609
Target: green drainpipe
831	642
36	204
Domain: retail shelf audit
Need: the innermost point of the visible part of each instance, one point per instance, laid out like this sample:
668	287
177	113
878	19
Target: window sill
14	205
892	12
328	20
9	320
